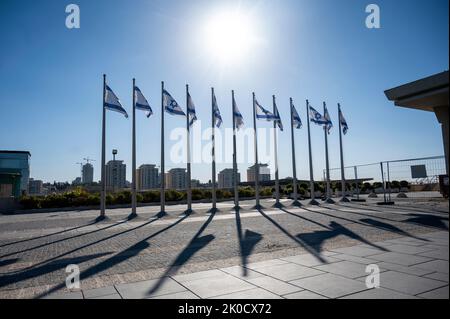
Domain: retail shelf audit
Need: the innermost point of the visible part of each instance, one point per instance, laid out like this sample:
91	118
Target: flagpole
213	155
277	182
344	197
103	191
327	163
188	151
311	176
133	178
255	136
163	177
235	184
294	169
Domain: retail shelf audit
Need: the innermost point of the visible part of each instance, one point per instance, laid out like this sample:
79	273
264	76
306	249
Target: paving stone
438	276
304	294
408	284
289	271
379	293
408	249
255	293
330	285
440	293
358	251
436	265
216	286
274	285
401	259
356	259
198	275
69	295
140	290
271	262
113	296
411	270
177	295
442	253
241	272
309	260
345	268
98	292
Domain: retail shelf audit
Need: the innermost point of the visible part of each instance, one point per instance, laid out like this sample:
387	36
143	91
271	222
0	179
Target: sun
229	36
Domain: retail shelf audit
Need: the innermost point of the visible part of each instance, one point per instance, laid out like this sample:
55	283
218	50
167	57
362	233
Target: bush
151	196
174	195
266	191
30	202
246	191
404	184
197	194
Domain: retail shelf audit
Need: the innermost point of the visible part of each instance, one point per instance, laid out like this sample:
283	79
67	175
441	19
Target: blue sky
51	77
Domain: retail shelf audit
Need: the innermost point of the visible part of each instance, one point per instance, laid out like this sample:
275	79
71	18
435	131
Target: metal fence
417	177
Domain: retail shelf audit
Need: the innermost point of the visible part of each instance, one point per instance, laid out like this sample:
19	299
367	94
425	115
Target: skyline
69	63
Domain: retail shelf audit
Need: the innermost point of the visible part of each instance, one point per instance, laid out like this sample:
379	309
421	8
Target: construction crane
87	159
81	168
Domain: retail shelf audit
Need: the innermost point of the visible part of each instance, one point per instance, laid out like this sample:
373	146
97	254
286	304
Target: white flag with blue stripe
262	113
216	113
238	119
277	118
326	115
170	105
141	102
316	117
191	110
296	121
343	122
112	102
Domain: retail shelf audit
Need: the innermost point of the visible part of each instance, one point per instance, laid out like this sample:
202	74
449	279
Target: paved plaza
306	252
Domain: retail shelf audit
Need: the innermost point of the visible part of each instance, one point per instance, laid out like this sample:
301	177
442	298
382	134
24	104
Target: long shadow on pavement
428	220
118	258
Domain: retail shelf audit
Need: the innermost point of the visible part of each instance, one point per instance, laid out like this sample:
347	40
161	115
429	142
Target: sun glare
229	36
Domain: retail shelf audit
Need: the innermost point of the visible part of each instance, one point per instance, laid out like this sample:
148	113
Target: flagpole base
161	214
358	200
189	211
278	205
313	202
296	203
213	210
344	200
258	207
237	208
132	216
100	218
329	201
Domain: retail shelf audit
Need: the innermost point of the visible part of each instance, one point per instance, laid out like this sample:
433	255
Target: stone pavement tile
198	275
241	272
359	260
217	285
69	295
177	295
98	292
113	296
255	293
140	290
436	265
358	251
379	293
438	276
289	271
330	285
304	294
408	284
411	270
274	285
408	249
406	241
401	259
345	268
309	260
271	262
441	293
438	253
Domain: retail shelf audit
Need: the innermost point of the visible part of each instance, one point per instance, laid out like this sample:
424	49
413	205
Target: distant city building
195	183
115	175
77	181
87	173
35	187
226	178
14	173
147	177
264	173
176	178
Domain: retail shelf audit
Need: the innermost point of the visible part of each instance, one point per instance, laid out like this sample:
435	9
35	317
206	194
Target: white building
264	173
87	176
176	178
147	177
35	187
115	175
226	178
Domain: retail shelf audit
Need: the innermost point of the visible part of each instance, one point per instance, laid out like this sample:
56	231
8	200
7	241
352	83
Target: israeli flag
238	119
316	117
262	113
141	102
191	110
170	105
343	122
216	113
277	118
329	124
112	102
296	121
